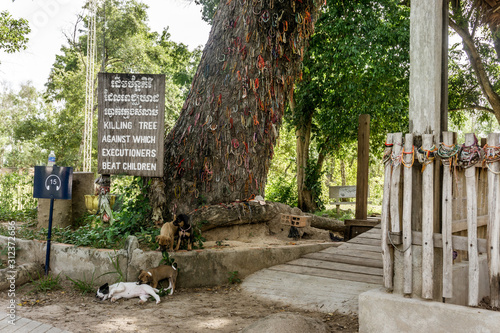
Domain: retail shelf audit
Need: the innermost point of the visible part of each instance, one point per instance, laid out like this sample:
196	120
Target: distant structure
89	89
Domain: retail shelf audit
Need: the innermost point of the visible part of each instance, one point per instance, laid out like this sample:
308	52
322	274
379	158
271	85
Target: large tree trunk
220	148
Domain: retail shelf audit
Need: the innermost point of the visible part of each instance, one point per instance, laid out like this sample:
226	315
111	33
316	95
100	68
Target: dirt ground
219	309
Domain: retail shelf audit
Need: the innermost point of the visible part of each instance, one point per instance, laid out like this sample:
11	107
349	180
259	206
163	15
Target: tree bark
221	147
303	137
239	213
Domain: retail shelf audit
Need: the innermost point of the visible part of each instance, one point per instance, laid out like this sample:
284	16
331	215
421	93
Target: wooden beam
408	160
384	223
494	222
470	183
363	167
460	243
427	221
447	225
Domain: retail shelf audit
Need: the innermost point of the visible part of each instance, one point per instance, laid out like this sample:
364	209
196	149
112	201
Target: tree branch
473	107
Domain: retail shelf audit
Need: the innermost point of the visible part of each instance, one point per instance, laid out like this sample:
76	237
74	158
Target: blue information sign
53	182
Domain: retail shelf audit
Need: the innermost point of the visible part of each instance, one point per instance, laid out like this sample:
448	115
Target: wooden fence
456	208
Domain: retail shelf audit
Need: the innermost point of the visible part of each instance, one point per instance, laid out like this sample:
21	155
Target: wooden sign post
131	124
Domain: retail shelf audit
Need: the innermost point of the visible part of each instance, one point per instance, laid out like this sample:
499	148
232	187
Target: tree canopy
13	33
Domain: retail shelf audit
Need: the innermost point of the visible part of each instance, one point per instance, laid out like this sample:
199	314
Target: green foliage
46	283
281	182
84	286
13	33
233	277
357	63
166	260
209	7
282	188
16	196
25	118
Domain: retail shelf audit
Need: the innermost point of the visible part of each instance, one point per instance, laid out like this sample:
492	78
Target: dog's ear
156	238
104	288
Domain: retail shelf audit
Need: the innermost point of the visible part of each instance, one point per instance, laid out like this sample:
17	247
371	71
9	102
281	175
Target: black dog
185	230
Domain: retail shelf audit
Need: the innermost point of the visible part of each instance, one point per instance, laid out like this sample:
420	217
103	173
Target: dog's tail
174	266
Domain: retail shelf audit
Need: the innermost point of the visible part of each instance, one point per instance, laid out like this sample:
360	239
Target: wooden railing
464	220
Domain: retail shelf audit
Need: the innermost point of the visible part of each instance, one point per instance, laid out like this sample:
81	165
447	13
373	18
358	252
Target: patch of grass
233	277
84	286
46	283
118	271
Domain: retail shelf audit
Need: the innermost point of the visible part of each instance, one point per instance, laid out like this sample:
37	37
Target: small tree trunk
303	135
220	148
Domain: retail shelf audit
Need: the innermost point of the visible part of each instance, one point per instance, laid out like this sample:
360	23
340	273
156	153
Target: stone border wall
197	268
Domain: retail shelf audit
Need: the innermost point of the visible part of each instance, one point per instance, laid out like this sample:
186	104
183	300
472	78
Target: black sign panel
131	124
53	182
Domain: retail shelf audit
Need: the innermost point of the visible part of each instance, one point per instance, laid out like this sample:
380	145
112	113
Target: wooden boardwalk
328	281
24	325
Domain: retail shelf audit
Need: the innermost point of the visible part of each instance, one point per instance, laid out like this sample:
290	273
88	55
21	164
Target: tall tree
24	115
125	44
357	63
13	33
221	146
475	86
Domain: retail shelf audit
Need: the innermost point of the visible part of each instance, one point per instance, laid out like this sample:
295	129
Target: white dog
127	290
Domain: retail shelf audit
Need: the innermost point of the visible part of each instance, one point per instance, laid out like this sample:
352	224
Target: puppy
162	272
127	290
166	237
185	230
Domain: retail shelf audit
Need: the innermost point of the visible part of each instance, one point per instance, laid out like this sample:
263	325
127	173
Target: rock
286	323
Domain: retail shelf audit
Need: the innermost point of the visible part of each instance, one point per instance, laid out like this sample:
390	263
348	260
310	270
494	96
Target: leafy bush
282	189
16	196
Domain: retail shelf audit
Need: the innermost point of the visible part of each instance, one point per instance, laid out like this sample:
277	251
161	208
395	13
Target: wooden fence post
384	223
408	160
447	198
427	222
470	183
494	219
397	141
363	167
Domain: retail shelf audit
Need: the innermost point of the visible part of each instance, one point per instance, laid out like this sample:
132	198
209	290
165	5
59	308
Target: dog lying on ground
127	290
185	230
166	237
155	275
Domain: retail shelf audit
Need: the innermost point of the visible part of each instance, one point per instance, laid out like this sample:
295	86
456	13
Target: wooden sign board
131	124
343	191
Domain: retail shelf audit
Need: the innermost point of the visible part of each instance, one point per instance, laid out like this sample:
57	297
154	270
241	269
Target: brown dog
154	275
166	237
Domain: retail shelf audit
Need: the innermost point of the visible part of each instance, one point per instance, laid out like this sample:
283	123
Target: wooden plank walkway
24	325
328	281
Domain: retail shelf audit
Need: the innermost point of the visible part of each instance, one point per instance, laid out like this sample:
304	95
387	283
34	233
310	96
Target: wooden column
470	183
427	223
397	141
494	222
363	164
387	257
407	213
449	140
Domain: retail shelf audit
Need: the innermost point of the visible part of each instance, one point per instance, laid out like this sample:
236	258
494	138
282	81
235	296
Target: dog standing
166	237
154	275
185	230
127	290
